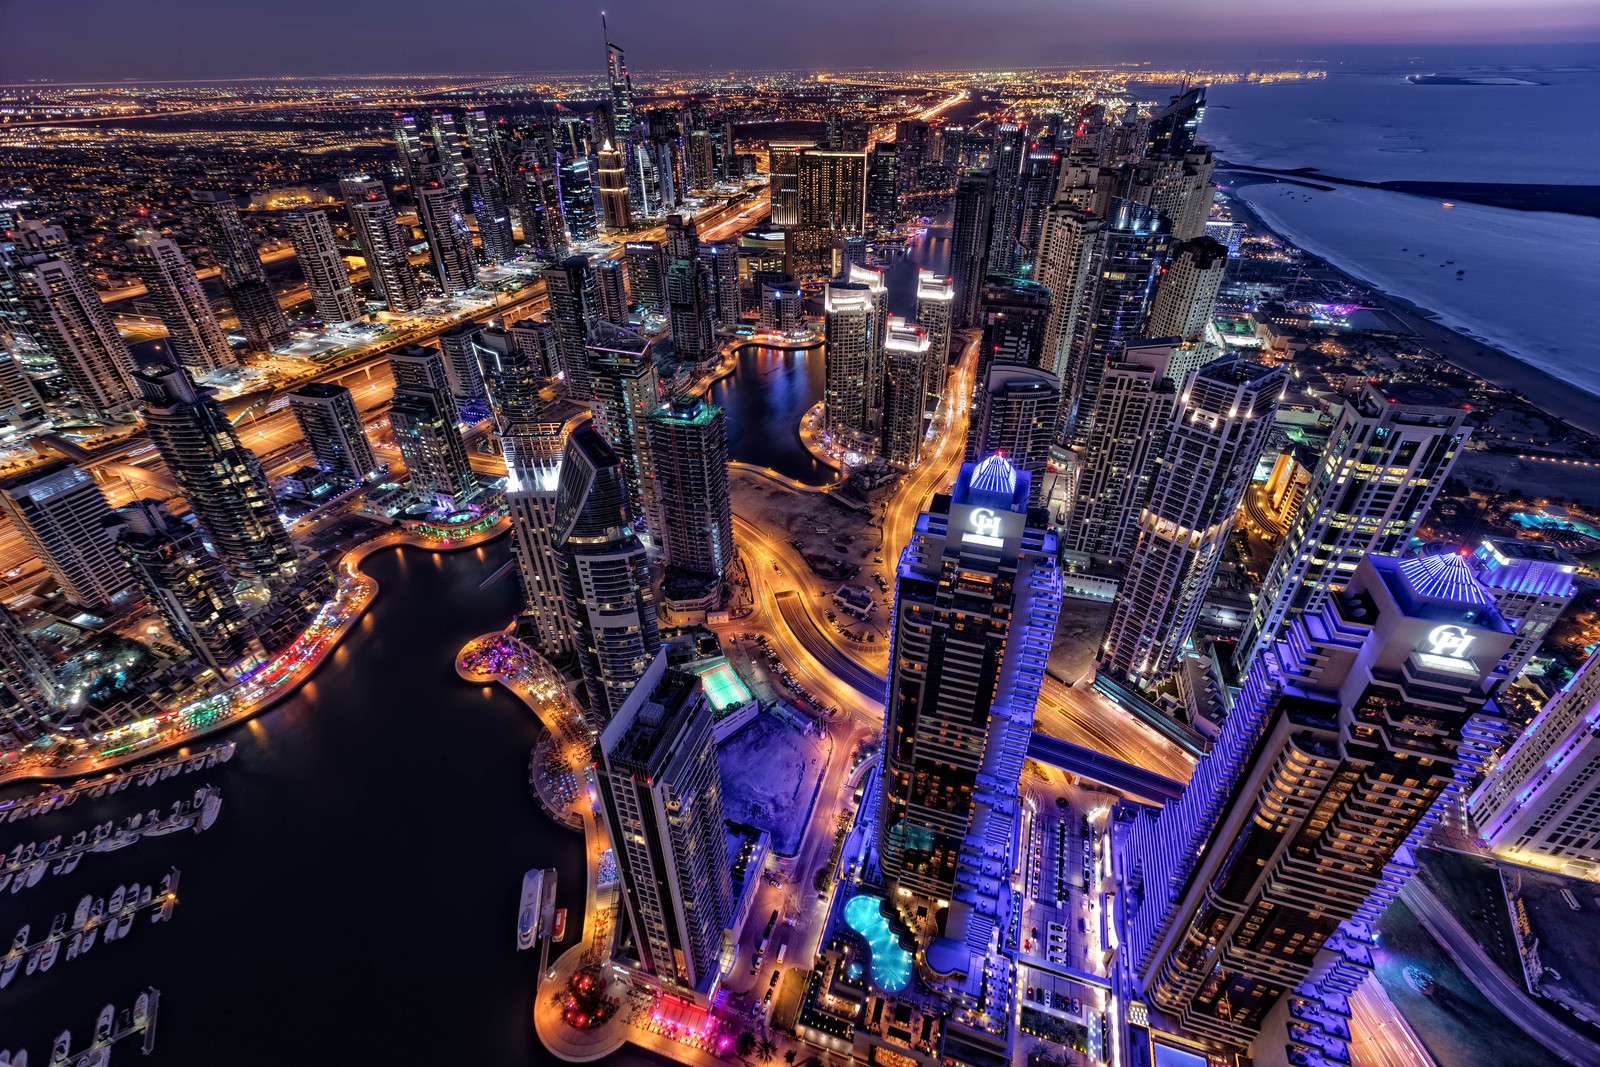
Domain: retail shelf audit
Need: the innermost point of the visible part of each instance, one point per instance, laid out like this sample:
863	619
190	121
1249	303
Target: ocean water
1531	276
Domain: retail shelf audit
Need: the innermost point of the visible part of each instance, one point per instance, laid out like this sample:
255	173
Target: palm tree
766	1049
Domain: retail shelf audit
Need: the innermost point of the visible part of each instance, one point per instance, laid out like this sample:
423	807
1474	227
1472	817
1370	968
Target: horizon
193	41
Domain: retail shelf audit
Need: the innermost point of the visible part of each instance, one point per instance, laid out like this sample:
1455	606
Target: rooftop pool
891	963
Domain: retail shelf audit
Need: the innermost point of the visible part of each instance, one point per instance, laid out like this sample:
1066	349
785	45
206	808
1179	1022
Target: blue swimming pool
891	963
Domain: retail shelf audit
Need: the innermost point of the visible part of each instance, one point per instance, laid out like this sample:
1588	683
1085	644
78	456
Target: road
1563	1042
1379	1036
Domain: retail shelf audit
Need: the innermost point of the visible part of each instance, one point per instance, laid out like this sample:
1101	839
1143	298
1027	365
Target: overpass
847	670
1106	770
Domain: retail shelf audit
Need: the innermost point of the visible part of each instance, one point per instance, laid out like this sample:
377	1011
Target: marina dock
96	920
55	798
26	865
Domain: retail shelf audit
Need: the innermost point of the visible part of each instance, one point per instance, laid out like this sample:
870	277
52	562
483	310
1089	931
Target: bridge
1106	770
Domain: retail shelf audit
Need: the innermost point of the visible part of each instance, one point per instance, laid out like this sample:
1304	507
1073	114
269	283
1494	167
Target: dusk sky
116	39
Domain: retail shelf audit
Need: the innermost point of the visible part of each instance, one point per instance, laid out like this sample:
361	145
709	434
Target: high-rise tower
332	427
969	243
260	316
196	340
61	514
382	245
1015	411
323	266
688	447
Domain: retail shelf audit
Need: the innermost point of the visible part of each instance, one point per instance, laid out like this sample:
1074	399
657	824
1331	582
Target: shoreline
1482	359
1581	200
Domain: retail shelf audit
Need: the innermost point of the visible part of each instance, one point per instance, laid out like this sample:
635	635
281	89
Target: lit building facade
61	513
332	426
383	247
693	510
193	335
318	255
261	318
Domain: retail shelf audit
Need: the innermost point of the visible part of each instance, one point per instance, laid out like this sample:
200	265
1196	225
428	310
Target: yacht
35	873
209	810
8	968
80	914
74	946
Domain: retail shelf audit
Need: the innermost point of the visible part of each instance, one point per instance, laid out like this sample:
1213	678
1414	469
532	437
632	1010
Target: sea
1524	282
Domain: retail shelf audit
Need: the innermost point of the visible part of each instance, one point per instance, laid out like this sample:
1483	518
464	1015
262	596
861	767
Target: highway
1379	1036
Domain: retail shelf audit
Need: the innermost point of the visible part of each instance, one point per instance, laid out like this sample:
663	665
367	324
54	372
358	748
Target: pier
95	920
110	1028
56	798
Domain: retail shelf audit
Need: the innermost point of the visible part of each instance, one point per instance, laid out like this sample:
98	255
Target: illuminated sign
985	523
1452	641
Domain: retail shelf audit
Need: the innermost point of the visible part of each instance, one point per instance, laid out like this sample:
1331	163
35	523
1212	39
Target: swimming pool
891	963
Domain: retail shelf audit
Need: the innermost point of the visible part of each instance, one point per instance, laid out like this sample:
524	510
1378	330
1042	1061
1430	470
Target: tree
745	1045
766	1049
788	1057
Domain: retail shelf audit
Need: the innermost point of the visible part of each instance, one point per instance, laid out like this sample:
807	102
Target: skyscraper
611	286
458	348
690	310
577	199
1130	252
260	316
544	230
688	448
647	275
222	479
1188	289
323	266
935	304
382	245
1016	319
534	442
574	309
186	584
1173	129
27	684
977	595
662	795
626	388
605	576
411	149
721	259
616	214
193	335
1015	411
1123	439
449	237
1067	248
1531	582
783	166
906	353
969	243
883	189
332	427
850	318
47	298
832	204
1006	159
1293	830
486	190
1538	805
1219	427
424	420
61	514
1387	459
621	84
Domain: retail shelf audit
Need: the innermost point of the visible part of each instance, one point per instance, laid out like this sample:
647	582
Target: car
775	976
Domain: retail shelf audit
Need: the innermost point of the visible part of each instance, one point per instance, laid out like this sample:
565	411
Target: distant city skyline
100	40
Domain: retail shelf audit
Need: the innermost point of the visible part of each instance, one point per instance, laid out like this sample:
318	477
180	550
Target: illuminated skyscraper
851	313
61	514
186	585
611	285
449	237
605	575
832	204
1130	252
1297	829
1204	464
691	311
783	165
458	346
222	479
1123	439
935	301
1538	805
1016	319
332	427
688	448
1015	411
323	266
969	244
661	793
47	298
383	246
260	317
1173	129
544	230
1188	289
193	335
534	441
574	309
1532	584
411	148
906	352
577	199
1387	459
615	213
626	388
1036	192
977	596
621	84
883	188
1006	159
647	275
486	190
1067	248
424	420
27	683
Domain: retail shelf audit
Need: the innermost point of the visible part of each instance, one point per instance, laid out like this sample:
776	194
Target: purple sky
116	39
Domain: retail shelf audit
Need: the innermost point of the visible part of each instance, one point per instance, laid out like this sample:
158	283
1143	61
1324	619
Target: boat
62	1051
117	898
58	927
141	1009
20	942
104	1025
560	932
68	863
1420	980
227	752
5	877
146	895
33	960
113	928
89	937
98	911
209	810
75	946
35	873
528	912
80	914
8	968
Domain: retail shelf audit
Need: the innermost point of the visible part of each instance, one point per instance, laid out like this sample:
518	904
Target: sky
112	40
